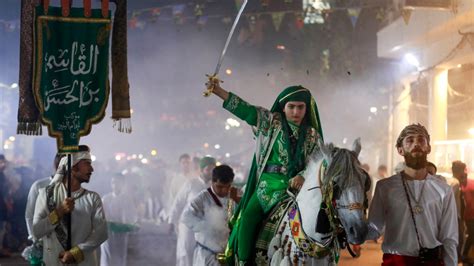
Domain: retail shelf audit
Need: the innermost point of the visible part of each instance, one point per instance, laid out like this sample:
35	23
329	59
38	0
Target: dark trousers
469	240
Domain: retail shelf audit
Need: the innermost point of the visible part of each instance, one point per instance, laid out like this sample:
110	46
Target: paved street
371	255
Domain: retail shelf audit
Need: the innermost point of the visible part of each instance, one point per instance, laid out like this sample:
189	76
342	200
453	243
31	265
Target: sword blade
236	21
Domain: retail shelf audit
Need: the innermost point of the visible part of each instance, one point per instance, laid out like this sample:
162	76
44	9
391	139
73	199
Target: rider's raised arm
235	104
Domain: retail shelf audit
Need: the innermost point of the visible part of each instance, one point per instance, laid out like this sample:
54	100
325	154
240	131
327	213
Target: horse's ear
323	148
356	147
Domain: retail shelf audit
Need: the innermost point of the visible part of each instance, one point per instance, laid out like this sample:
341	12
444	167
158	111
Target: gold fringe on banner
123	125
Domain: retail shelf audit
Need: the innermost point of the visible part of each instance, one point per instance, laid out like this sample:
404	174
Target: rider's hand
234	194
296	182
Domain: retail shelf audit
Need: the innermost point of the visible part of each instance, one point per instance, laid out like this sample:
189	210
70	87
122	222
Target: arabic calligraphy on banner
71	72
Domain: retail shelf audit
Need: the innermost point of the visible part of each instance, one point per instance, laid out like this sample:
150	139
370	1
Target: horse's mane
343	167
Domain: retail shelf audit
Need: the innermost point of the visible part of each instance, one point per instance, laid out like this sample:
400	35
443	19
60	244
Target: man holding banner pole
84	206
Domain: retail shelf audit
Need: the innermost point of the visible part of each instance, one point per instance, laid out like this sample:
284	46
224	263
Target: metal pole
68	216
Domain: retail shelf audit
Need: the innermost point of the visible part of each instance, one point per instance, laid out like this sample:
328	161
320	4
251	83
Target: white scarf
60	191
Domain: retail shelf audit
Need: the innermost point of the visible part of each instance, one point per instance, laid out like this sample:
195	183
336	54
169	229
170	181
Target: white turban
60	192
76	158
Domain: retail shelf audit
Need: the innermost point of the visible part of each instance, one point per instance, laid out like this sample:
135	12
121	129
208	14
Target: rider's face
295	111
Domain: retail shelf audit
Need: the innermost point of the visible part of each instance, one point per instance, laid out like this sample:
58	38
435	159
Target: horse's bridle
332	209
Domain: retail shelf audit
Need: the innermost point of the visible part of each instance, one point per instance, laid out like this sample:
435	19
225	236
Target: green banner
71	83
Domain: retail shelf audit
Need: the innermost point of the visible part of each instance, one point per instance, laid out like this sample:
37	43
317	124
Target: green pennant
277	18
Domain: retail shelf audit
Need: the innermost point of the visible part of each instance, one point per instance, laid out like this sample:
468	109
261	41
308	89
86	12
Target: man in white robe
208	215
33	195
37	247
186	242
89	228
175	180
121	216
414	197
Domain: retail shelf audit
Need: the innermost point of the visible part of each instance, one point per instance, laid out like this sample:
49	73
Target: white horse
327	213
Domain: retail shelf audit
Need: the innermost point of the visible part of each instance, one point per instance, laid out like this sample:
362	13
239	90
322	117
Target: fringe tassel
29	128
123	125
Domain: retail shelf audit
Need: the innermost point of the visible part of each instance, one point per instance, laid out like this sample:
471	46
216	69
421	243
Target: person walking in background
466	223
34	252
186	242
121	219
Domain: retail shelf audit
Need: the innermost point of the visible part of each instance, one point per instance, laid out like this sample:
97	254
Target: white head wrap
76	158
60	192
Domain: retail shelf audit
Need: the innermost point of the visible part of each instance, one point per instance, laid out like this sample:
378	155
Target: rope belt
207	248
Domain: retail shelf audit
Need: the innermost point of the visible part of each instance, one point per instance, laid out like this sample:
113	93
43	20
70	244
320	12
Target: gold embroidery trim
76	252
300	90
53	217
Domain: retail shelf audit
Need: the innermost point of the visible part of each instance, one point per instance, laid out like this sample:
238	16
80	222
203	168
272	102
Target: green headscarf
311	119
207	160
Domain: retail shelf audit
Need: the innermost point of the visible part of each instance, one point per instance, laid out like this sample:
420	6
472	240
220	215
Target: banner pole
69	216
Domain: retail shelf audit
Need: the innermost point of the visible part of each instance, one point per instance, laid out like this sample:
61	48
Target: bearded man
414	210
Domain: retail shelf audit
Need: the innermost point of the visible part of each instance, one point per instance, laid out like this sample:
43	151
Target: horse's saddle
270	227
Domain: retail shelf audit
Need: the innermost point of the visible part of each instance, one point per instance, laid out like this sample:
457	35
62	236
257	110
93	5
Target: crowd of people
424	218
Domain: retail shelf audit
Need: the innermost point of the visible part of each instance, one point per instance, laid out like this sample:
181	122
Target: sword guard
213	79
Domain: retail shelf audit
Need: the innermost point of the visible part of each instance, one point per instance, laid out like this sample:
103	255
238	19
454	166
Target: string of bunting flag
195	13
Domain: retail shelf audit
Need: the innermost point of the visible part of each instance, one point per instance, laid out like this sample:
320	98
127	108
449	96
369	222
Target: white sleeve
41	224
178	204
98	233
448	233
193	214
376	214
30	207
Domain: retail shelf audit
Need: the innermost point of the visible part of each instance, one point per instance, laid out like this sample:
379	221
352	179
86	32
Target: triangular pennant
178	10
277	18
198	10
155	11
380	15
353	15
406	14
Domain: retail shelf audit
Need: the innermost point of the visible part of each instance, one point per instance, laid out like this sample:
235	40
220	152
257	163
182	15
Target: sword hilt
211	84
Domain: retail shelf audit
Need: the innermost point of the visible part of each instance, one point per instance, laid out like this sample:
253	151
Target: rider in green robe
285	136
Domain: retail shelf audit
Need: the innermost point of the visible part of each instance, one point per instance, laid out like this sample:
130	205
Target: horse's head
349	185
